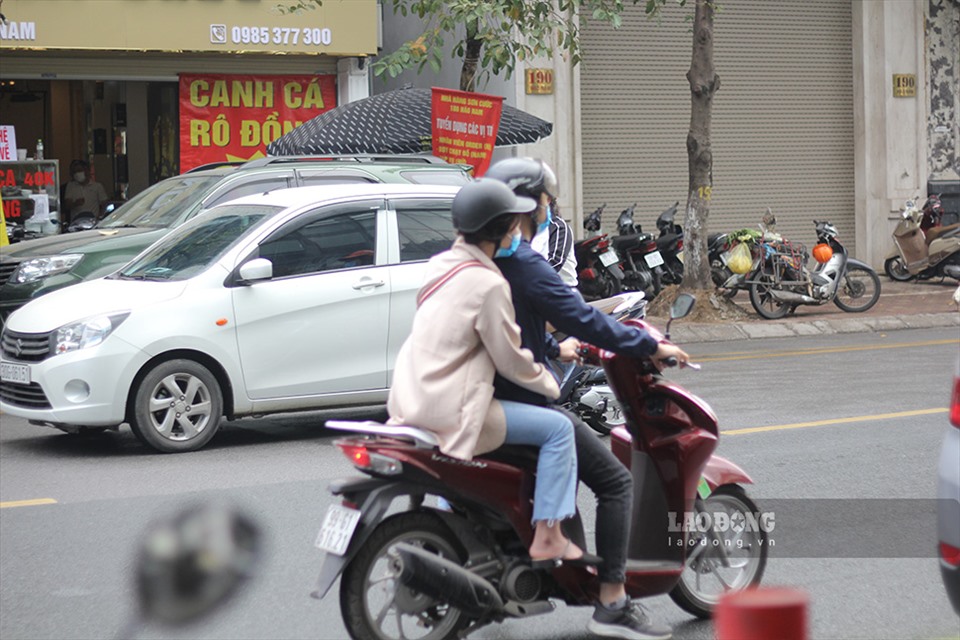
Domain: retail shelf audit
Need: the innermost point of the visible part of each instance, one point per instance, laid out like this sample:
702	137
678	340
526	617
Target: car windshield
161	205
193	247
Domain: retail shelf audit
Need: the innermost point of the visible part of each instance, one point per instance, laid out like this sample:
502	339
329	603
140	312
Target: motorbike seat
516	455
939	232
632	240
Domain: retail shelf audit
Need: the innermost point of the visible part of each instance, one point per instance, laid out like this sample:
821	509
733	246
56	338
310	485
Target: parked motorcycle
443	574
583	387
642	260
783	282
599	274
923	247
670	245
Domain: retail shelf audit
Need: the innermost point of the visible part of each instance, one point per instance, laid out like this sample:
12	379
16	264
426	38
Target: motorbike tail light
955	403
361	458
950	554
650	246
602	245
679	244
588	274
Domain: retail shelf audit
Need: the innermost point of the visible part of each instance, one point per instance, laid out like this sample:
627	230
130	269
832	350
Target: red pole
762	614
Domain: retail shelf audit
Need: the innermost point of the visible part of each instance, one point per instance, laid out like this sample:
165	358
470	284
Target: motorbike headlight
39	268
86	333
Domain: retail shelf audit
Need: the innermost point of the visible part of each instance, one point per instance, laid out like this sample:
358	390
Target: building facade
100	80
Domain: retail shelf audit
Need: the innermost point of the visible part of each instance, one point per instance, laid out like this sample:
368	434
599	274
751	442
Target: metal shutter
782	130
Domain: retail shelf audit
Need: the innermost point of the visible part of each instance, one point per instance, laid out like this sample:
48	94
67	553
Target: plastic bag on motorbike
740	260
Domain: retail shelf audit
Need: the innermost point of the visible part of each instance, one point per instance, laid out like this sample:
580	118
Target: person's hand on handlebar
570	350
666	350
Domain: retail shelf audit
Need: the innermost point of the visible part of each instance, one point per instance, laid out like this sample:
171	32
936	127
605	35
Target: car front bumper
88	387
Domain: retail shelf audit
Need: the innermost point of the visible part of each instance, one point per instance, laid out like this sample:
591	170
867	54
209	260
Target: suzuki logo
19	347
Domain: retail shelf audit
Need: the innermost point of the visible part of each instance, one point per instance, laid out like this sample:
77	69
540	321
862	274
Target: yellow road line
821	423
27	503
813	352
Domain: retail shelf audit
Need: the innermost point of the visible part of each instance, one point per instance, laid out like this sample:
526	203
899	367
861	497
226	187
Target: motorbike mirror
192	562
682	306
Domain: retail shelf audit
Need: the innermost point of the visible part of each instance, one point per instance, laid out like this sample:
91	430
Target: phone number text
280	35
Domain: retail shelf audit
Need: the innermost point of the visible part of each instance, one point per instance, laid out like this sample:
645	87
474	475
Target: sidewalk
902	305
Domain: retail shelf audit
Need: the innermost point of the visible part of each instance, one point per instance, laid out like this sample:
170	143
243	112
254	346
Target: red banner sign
465	127
235	117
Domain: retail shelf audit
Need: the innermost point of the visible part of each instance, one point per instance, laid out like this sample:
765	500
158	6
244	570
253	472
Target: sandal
586	560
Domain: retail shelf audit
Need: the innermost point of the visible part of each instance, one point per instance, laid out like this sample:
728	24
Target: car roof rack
353	157
216	165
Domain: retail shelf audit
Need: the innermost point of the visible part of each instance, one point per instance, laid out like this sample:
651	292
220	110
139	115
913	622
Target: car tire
177	406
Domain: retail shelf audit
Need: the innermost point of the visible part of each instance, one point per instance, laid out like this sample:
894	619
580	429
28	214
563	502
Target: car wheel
177	406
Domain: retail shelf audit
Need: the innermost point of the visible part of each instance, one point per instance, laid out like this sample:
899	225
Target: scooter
442	574
783	282
670	245
599	274
642	261
923	247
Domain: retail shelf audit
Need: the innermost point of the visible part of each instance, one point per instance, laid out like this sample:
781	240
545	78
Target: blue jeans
555	495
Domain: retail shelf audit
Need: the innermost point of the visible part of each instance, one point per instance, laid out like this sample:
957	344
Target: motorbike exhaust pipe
441	579
791	297
952	270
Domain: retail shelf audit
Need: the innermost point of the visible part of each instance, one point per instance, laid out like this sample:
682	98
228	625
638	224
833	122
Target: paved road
855	416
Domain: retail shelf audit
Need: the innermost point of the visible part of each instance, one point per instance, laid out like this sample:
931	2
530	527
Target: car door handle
367	282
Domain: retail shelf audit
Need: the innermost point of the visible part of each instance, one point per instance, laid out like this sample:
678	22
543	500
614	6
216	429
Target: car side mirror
256	270
192	562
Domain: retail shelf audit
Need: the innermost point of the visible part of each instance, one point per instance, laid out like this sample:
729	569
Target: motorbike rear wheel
745	551
896	270
375	606
859	290
763	301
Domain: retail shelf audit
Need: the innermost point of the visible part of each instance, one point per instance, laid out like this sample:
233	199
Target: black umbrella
392	122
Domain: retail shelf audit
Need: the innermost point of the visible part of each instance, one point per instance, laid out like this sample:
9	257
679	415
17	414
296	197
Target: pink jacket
462	335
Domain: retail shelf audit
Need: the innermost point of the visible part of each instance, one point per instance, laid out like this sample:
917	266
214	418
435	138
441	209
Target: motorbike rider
463	333
540	296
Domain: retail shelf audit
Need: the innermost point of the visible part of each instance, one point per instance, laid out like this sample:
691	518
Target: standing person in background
555	242
82	195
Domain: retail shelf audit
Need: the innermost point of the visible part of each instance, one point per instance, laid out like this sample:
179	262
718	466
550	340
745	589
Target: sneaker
630	621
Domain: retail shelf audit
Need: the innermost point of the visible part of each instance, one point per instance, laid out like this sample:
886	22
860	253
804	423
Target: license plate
337	529
654	259
19	373
609	257
680	256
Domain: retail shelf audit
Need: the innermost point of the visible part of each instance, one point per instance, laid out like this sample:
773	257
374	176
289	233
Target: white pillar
353	79
890	132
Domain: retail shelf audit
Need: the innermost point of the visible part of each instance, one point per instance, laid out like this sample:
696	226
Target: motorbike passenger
464	332
540	296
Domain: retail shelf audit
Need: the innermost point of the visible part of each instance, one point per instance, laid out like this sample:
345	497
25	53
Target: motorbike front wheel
896	270
722	560
376	606
859	290
761	297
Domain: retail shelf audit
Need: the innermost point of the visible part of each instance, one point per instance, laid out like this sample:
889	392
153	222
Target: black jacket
540	296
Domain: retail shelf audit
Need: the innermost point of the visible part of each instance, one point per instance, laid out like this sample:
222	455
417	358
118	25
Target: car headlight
39	268
86	333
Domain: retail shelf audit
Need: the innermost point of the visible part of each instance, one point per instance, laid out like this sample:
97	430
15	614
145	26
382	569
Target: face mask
512	249
79	176
546	223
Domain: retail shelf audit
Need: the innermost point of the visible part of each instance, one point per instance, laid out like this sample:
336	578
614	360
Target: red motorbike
416	571
599	272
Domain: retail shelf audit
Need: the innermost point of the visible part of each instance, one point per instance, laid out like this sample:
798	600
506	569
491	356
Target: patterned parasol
392	122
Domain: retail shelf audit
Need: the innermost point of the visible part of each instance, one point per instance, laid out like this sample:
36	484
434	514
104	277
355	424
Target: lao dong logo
722	524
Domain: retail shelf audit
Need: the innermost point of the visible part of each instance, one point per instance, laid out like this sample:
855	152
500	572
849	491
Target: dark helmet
479	202
526	176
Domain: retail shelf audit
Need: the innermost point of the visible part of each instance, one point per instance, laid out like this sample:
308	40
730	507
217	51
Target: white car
293	300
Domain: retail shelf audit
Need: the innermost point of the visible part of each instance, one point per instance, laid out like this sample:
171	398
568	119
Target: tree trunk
471	56
703	83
